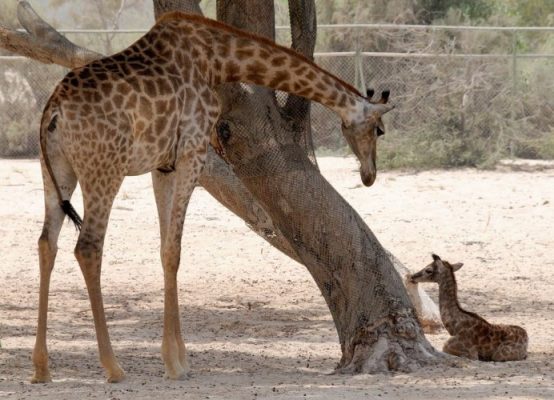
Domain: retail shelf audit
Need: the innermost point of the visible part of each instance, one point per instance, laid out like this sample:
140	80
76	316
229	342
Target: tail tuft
72	214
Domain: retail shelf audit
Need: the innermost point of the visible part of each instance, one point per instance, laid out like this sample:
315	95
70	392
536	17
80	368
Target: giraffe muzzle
368	172
413	278
368	179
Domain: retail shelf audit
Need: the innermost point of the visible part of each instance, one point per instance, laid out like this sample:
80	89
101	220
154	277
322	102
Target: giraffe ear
370	93
381	108
457	266
384	96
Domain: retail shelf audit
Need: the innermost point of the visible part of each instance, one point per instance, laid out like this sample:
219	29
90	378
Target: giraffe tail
72	214
48	125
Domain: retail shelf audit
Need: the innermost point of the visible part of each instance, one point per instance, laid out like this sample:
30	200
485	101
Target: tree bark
375	319
275	186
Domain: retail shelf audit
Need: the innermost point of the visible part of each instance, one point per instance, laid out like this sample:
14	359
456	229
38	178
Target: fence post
514	89
356	71
514	59
359	80
359	77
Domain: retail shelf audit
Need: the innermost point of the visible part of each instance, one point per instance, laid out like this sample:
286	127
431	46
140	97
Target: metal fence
450	84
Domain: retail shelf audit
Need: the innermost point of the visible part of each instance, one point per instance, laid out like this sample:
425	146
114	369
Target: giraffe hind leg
172	197
47	246
172	194
164	188
88	251
510	351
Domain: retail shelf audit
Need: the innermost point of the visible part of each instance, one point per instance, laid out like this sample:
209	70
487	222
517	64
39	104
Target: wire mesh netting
455	92
461	106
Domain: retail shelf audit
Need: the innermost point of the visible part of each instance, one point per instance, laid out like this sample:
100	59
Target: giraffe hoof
116	376
178	375
185	364
45	378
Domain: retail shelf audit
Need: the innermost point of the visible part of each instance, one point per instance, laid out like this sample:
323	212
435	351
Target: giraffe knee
86	249
43	240
449	345
171	256
88	254
459	349
448	348
45	244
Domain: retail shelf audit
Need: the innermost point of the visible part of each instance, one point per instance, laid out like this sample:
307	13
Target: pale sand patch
255	324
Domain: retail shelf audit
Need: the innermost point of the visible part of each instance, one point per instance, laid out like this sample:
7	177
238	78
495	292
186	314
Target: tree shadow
233	342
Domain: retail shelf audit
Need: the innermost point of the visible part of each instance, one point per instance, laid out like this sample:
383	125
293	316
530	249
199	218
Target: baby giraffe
472	336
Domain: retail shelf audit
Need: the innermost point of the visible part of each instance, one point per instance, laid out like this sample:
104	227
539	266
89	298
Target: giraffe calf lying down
472	336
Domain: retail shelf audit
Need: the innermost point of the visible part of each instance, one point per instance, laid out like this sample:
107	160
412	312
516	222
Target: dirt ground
255	324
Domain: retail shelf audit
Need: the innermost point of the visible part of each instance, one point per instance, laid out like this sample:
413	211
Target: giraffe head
362	135
434	271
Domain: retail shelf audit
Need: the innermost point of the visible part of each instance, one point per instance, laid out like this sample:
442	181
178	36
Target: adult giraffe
151	108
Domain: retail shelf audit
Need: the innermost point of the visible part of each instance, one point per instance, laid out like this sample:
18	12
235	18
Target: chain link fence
464	96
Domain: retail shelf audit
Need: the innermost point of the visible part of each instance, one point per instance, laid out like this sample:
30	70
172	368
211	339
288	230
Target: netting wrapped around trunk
305	217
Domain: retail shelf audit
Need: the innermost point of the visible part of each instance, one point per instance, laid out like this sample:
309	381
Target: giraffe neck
453	316
449	307
231	55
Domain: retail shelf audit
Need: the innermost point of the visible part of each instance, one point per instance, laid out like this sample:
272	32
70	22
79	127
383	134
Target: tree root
393	344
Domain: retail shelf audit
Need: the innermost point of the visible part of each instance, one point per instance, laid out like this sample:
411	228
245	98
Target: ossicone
384	96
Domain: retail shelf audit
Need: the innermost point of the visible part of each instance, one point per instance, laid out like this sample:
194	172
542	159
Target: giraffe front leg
164	188
459	348
173	347
172	196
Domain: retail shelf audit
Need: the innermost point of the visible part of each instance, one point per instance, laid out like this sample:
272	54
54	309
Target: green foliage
400	11
456	112
436	148
515	12
526	13
452	112
474	10
16	140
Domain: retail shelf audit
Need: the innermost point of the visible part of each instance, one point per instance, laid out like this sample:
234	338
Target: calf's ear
457	266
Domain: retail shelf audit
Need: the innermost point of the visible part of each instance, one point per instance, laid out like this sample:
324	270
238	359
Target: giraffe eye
429	270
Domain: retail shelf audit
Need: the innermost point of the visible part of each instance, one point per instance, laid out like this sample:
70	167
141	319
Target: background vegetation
452	111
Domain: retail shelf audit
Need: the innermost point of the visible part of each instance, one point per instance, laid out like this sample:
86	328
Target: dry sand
255	324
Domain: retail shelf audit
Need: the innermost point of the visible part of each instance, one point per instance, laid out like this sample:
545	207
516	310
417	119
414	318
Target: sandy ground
255	324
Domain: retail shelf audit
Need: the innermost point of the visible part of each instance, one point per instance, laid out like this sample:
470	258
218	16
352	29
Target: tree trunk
375	320
275	186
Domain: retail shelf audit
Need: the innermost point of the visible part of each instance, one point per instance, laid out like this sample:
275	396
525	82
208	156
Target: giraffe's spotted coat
471	335
152	108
